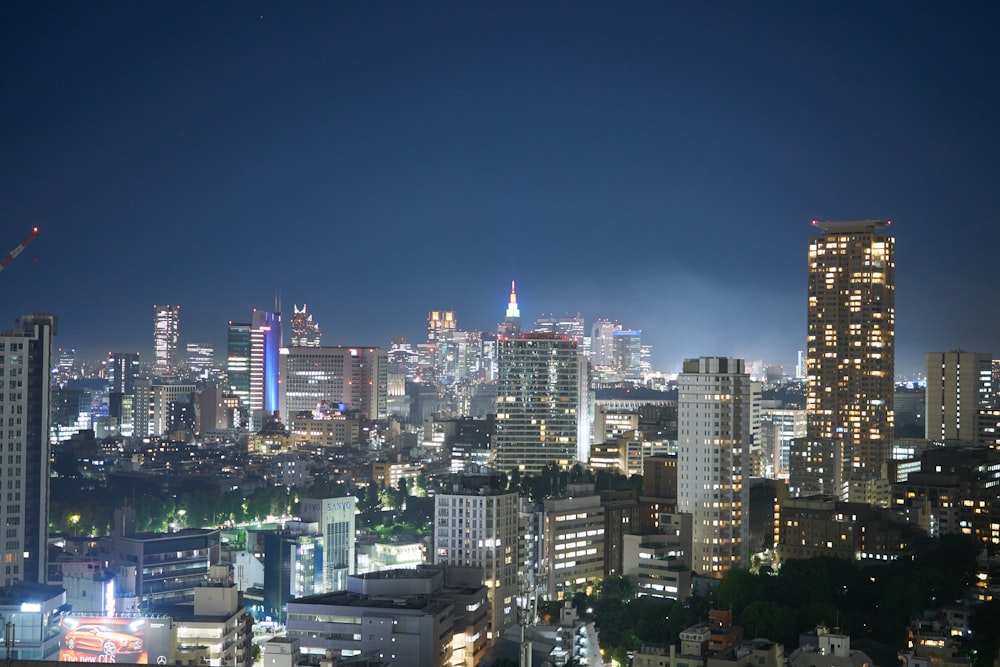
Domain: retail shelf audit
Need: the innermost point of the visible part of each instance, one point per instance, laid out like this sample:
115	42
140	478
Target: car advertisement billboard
138	640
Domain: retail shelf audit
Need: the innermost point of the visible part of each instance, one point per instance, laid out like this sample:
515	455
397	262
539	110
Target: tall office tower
628	353
538	394
265	366
800	365
959	384
477	526
779	427
26	362
358	377
713	440
439	321
166	321
123	371
335	517
200	359
850	349
238	362
511	325
567	325
305	332
65	365
602	343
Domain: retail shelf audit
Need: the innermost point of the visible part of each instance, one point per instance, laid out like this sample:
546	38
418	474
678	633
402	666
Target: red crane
17	251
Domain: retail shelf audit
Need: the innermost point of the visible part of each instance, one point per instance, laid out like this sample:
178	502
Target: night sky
657	163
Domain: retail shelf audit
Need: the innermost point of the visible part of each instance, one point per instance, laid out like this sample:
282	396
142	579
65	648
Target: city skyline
643	164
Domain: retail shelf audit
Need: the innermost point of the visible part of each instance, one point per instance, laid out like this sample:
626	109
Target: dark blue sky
652	162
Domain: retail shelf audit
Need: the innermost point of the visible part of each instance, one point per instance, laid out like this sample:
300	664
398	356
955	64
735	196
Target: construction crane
17	251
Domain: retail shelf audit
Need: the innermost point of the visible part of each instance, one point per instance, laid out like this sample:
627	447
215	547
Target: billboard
141	640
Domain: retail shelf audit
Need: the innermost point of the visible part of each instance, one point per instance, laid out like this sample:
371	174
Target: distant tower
713	456
265	365
305	332
602	343
849	359
27	357
238	362
166	320
628	354
511	325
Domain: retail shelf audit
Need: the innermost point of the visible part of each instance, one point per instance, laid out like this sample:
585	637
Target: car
102	639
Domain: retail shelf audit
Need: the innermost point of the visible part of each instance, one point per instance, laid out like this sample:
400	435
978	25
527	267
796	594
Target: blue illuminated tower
265	362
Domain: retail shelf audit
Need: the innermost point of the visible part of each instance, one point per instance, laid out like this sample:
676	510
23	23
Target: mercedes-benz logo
161	659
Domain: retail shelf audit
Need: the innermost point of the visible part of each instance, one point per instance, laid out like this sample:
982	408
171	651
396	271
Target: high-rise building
358	377
166	323
570	326
628	353
200	359
305	332
959	385
477	526
123	370
238	362
850	348
602	343
713	440
511	325
538	378
265	366
438	321
26	362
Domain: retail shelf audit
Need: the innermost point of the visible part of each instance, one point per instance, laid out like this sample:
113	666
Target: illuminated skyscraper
200	359
538	399
238	362
850	351
628	354
26	362
305	332
439	321
123	370
570	326
959	385
511	325
713	441
354	376
166	321
602	343
265	365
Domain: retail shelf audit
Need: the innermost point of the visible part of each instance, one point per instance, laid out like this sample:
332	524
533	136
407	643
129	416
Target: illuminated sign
136	640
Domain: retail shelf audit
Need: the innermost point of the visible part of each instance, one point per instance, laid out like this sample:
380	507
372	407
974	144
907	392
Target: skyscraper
511	325
713	441
538	378
305	332
628	354
959	385
200	359
123	370
265	366
602	343
166	322
568	325
26	361
355	376
238	362
850	350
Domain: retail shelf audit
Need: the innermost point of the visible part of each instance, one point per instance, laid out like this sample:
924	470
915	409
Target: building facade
238	362
959	385
537	403
851	343
26	363
357	377
714	432
475	526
